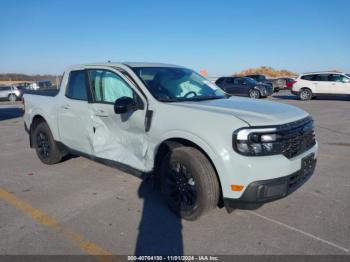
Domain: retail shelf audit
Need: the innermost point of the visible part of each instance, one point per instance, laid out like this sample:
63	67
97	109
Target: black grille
297	137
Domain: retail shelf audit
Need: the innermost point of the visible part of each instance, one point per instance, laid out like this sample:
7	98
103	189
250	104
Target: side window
220	80
338	78
229	80
108	86
238	81
77	85
307	77
321	78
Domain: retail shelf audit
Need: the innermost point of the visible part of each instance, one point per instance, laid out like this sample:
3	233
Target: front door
240	86
340	84
117	137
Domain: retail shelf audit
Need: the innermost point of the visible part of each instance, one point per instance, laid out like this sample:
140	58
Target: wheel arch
34	123
173	142
254	88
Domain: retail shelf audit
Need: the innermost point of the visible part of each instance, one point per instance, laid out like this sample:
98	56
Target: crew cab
201	147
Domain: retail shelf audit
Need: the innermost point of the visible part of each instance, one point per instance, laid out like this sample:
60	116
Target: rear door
227	85
73	113
322	84
117	137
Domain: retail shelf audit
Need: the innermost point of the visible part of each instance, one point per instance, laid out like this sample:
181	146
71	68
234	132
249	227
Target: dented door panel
121	138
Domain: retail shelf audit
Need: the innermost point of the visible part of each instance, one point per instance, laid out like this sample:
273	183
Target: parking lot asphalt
83	207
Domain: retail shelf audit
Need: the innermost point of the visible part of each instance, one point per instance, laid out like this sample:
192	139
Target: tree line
24	77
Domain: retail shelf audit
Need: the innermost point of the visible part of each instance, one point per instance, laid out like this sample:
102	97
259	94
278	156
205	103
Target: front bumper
294	92
268	91
259	192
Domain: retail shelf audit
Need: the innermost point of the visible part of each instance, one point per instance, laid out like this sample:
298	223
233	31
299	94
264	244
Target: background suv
310	85
9	93
263	79
244	86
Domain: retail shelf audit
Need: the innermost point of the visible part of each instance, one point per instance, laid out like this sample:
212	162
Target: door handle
101	113
67	106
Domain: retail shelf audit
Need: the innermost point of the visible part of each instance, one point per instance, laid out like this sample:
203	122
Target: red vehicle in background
289	82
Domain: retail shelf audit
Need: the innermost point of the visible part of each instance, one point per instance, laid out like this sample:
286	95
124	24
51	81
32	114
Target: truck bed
42	92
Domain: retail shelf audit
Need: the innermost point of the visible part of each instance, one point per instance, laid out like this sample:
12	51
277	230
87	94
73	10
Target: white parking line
300	231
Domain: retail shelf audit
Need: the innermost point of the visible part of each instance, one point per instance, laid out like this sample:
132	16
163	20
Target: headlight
256	142
262	88
289	139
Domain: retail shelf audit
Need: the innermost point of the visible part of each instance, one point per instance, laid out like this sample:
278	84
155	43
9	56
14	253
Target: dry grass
267	71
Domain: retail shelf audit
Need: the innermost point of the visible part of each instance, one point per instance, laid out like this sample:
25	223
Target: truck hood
254	112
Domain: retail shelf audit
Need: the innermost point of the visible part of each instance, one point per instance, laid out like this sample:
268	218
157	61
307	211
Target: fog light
256	148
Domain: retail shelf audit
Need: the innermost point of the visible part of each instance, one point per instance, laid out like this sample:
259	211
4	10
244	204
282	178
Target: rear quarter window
307	77
220	80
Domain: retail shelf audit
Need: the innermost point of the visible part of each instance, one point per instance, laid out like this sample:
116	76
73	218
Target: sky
222	36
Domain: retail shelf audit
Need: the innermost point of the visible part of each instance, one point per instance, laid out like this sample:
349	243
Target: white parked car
310	85
9	93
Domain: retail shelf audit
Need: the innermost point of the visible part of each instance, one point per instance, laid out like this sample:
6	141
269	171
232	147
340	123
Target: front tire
45	145
305	94
254	94
189	183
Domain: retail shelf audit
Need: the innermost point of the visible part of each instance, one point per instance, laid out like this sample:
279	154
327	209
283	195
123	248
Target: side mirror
124	104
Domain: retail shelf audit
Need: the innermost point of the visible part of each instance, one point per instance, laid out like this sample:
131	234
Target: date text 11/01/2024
173	258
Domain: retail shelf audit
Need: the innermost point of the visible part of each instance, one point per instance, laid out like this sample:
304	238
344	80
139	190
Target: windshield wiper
207	98
168	100
202	98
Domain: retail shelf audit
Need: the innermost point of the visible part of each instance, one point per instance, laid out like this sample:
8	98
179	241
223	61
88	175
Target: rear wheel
189	183
45	145
12	98
254	94
305	94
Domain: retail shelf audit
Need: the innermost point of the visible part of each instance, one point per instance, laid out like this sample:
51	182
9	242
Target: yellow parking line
44	219
335	156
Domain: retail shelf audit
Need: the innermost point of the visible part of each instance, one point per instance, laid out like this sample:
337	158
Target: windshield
171	84
347	75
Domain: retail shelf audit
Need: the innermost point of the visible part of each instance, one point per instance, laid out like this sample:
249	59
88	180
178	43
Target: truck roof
129	64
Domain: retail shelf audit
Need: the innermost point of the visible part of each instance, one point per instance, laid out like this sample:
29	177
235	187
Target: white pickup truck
202	148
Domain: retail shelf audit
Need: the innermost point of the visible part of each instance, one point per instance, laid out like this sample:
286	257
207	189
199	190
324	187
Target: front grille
297	137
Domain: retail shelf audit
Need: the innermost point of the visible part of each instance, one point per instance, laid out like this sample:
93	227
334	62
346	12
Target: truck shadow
10	113
160	231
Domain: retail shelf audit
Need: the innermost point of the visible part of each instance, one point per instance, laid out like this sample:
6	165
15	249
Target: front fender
216	158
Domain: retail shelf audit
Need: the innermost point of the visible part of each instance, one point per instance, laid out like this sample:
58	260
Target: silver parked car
9	93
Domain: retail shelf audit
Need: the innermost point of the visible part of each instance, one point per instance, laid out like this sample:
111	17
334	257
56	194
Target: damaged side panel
121	138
